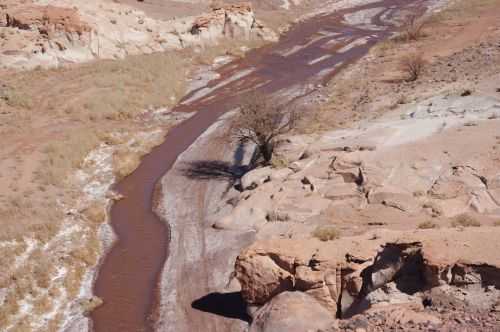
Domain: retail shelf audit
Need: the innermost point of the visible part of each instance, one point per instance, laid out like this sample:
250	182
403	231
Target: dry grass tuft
125	162
226	46
95	213
16	99
465	220
63	156
326	233
427	225
279	162
412	65
104	90
90	304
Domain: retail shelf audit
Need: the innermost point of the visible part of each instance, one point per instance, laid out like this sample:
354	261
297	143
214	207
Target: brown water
130	271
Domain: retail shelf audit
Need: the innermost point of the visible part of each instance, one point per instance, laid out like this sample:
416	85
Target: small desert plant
125	162
384	46
434	209
262	121
279	162
412	65
413	28
465	220
95	213
326	233
17	99
496	223
64	155
89	304
427	225
277	216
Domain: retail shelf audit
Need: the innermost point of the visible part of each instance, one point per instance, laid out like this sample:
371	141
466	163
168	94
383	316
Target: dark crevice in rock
392	263
483	274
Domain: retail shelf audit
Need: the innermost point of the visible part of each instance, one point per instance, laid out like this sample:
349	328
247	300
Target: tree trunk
266	150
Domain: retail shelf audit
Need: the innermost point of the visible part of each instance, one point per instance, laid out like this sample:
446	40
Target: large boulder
292	312
458	181
261	278
349	274
46	19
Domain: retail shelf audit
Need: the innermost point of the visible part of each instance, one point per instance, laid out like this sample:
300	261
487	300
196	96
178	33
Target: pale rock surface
393	197
291	312
368	269
256	177
398	170
50	33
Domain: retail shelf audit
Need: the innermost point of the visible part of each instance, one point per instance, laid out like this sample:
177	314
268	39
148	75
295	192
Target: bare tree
261	120
412	65
413	28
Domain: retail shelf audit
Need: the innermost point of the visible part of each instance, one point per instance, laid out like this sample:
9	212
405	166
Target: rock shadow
230	305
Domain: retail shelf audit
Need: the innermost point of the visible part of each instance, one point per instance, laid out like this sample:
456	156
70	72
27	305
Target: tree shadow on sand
213	170
230	305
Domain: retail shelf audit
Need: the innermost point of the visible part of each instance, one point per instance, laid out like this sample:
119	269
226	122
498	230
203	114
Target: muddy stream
306	56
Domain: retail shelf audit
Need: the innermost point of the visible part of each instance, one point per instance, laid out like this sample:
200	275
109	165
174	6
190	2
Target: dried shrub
95	213
17	99
326	233
262	121
125	162
89	304
412	28
412	65
427	225
465	220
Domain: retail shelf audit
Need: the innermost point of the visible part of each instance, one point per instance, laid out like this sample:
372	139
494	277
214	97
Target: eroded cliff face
412	272
53	32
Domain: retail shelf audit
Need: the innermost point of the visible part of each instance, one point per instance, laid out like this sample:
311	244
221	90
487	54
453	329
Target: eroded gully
311	53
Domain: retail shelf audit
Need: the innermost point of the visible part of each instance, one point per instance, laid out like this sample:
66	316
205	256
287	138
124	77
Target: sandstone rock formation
377	174
292	312
51	33
349	275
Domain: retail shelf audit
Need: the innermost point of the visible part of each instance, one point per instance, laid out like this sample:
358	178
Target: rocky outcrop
291	312
48	20
348	275
377	174
69	31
